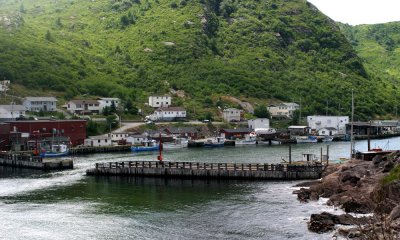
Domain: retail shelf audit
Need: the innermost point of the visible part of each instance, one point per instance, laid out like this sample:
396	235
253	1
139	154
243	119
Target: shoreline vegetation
369	193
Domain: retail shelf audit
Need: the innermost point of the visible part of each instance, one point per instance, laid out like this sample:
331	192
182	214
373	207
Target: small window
98	141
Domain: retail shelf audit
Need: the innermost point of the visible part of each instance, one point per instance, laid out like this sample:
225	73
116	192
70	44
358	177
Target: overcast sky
356	12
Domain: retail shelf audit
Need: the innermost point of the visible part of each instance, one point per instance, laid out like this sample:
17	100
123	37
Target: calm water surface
69	205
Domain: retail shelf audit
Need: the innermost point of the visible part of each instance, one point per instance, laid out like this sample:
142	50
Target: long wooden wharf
34	162
250	171
99	149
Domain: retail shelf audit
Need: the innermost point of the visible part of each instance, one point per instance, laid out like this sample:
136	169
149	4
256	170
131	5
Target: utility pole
300	112
352	121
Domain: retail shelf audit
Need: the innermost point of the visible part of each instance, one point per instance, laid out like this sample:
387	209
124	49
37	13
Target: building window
98	141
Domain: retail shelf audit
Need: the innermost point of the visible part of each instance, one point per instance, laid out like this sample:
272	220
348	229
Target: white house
4	85
160	101
115	137
136	139
107	102
47	104
83	106
11	112
258	123
283	110
168	114
328	131
231	114
338	122
98	141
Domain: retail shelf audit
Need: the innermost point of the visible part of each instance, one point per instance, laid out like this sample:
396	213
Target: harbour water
70	205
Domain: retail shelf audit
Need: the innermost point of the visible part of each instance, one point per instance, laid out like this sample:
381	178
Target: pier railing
20	157
213	166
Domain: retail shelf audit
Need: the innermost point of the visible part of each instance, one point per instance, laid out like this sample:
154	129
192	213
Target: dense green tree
261	111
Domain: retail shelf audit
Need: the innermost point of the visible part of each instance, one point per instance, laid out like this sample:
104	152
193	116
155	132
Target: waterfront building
187	132
235	133
328	131
338	122
46	104
258	123
169	114
98	141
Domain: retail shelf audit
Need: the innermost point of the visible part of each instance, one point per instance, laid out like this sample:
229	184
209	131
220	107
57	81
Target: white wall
338	122
258	123
98	142
160	101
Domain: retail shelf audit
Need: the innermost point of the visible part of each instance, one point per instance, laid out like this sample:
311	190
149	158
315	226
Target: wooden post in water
327	155
290	153
369	136
321	154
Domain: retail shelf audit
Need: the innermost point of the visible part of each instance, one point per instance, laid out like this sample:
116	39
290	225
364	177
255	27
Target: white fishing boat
57	150
306	139
215	142
327	139
148	145
176	144
250	139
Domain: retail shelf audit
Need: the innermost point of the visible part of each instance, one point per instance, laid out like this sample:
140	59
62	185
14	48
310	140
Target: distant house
338	122
115	137
47	104
169	114
160	101
4	85
188	132
283	110
108	102
258	123
231	115
235	133
328	131
98	141
11	112
299	130
83	106
136	139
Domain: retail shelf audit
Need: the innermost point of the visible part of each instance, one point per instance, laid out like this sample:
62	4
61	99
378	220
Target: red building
74	129
235	133
4	135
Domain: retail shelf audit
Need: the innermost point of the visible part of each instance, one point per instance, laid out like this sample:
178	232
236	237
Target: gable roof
170	109
85	101
41	99
13	107
237	130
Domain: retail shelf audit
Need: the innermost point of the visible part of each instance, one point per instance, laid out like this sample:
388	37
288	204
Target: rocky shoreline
359	187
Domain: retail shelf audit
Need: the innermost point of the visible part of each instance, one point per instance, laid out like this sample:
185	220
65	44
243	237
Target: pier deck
251	171
34	162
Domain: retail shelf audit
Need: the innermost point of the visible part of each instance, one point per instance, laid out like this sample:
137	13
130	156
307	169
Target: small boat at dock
306	139
148	145
56	150
250	139
176	144
215	142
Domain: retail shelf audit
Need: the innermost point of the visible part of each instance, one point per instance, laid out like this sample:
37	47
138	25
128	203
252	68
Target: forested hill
379	47
253	49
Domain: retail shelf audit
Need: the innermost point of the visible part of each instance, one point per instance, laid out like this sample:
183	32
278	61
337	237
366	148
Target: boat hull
53	154
144	149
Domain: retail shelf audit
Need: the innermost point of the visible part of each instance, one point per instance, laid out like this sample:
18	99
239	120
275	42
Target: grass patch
394	175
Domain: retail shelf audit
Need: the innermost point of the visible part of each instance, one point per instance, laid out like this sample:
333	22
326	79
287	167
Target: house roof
108	99
170	109
13	107
138	136
89	101
99	138
231	109
329	128
237	130
41	99
176	130
297	127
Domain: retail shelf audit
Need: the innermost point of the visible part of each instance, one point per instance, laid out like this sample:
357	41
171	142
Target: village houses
83	106
231	115
338	122
283	110
108	102
160	101
46	104
258	123
98	141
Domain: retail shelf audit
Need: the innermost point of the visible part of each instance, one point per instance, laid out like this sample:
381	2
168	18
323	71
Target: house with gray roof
46	104
11	112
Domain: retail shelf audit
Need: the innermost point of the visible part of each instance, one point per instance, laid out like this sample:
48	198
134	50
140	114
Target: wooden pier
101	149
250	171
34	162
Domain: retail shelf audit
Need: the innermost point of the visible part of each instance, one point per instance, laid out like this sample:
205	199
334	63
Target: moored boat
214	142
148	145
177	144
327	139
250	139
56	150
306	139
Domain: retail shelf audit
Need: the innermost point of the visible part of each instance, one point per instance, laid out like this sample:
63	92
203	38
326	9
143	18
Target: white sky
356	12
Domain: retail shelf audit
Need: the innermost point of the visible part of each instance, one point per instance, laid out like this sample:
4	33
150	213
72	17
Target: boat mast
352	120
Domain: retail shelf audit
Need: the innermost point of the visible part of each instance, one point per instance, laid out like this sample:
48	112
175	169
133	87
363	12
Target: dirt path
245	105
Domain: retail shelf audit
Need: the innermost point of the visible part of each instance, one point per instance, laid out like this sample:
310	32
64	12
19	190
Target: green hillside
251	49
